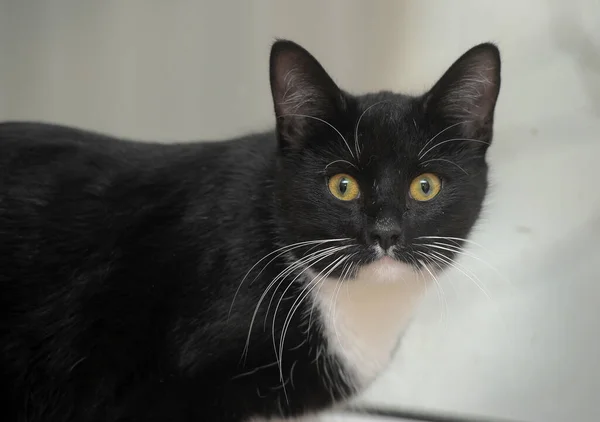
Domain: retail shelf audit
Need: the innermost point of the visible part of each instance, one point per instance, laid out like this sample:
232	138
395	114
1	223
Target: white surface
198	69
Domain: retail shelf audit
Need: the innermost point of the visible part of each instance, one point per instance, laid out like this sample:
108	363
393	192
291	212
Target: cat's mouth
393	255
398	256
387	259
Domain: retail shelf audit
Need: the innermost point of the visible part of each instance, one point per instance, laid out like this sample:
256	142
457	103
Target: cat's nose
385	237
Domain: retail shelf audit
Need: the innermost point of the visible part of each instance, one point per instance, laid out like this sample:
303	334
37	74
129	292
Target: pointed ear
302	92
466	94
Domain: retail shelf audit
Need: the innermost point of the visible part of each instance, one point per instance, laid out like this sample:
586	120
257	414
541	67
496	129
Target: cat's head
380	176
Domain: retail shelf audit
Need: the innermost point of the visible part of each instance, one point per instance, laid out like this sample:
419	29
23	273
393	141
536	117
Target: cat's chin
387	270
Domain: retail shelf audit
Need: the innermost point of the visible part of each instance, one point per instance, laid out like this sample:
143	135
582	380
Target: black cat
270	275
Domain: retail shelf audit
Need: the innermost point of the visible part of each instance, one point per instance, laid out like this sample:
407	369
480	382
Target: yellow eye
425	187
344	187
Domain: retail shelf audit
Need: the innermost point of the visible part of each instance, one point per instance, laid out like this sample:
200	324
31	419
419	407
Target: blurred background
516	333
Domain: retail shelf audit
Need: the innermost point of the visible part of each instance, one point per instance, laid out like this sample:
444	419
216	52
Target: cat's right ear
466	94
303	93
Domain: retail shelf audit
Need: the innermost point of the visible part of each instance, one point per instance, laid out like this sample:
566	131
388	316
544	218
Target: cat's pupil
343	186
425	186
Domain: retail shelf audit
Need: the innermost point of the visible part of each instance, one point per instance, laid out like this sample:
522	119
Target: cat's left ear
466	94
304	95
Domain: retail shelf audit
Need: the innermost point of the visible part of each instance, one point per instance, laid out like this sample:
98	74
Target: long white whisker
253	371
452	140
303	294
358	150
278	358
445	161
282	275
458	250
342	278
473	277
290	284
438	134
300	296
342	161
439	290
293	309
476	280
332	308
312	308
324	253
285	249
457	239
328	124
350	269
415	260
438	263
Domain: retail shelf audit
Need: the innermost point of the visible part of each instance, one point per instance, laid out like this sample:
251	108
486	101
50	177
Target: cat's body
153	282
103	242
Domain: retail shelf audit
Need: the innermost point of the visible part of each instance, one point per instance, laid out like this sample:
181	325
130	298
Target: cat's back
58	179
31	148
65	191
68	199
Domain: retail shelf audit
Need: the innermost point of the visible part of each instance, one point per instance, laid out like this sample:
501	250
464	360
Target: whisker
332	308
306	289
446	161
439	290
418	267
358	151
473	277
303	294
253	371
342	161
290	284
476	280
312	308
285	249
278	358
461	251
438	263
328	124
457	239
452	140
295	307
438	134
350	269
282	275
299	263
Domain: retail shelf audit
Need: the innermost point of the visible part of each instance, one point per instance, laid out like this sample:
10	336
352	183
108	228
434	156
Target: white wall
198	69
182	69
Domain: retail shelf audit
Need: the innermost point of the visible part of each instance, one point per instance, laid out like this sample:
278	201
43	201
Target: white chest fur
363	318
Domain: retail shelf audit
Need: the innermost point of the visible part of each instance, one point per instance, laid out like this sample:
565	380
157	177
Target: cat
266	276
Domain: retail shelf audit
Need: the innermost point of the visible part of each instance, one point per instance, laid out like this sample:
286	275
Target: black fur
120	261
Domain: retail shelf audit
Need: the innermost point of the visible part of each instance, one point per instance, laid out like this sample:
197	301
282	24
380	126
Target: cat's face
381	176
